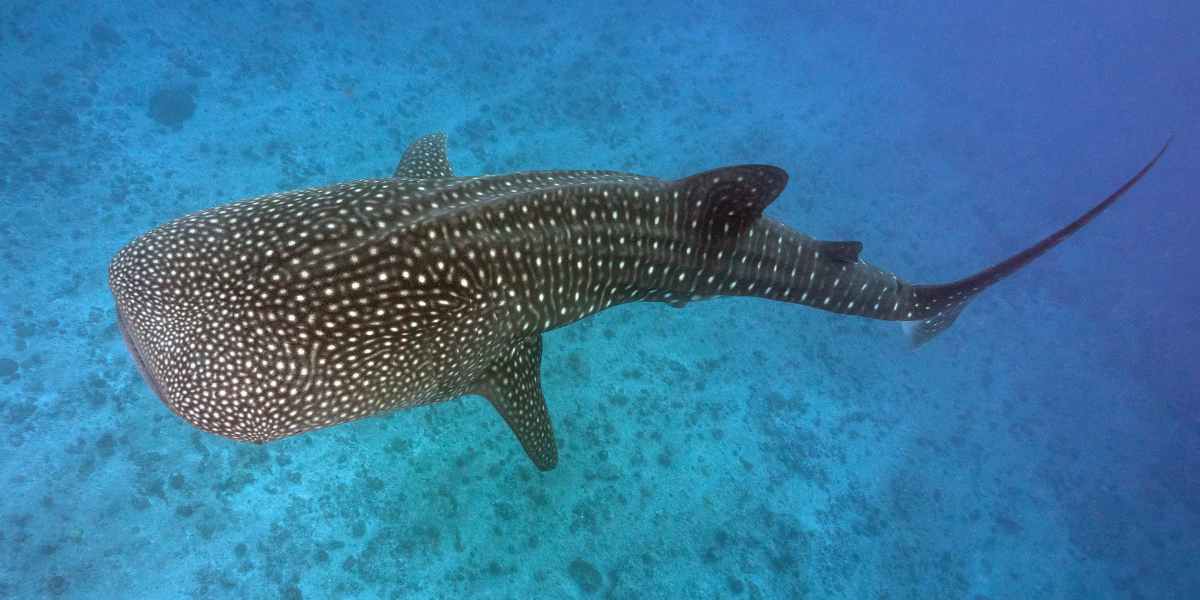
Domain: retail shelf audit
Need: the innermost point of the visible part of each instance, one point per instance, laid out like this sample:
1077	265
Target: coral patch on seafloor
172	106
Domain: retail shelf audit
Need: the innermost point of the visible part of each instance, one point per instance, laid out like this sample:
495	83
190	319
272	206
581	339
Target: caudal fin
949	299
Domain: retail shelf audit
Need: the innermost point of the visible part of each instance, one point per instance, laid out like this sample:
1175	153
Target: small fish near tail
946	301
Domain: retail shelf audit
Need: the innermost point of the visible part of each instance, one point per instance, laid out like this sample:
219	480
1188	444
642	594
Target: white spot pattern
294	311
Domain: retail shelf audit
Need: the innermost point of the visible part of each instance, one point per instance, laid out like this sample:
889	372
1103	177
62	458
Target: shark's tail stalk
949	299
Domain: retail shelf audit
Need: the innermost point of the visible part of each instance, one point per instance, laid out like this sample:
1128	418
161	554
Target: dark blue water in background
1046	447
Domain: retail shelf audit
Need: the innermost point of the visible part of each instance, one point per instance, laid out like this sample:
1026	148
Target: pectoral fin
425	159
513	384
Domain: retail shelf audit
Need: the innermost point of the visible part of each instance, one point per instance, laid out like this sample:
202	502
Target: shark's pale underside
295	311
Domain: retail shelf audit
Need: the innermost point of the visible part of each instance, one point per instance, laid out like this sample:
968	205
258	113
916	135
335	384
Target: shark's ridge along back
296	311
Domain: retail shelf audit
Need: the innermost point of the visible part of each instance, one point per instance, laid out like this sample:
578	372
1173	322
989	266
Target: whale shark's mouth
131	344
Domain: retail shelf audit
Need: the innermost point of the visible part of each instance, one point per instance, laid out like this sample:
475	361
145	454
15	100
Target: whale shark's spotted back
276	315
295	311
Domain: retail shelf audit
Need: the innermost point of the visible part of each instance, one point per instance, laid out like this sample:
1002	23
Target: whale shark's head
277	315
128	334
169	310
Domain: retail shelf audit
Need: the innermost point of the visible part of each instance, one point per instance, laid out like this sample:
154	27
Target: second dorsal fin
846	252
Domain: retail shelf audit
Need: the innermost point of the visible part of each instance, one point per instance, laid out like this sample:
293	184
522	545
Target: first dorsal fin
729	199
513	384
425	159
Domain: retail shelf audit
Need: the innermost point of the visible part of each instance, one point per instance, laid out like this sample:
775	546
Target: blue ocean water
1048	446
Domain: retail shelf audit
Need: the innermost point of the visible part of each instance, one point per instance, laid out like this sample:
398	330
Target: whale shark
291	312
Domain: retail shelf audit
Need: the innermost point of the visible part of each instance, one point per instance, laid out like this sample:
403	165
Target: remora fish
296	311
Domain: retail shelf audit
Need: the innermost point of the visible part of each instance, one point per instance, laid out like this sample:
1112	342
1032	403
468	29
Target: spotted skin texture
425	159
295	311
513	383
